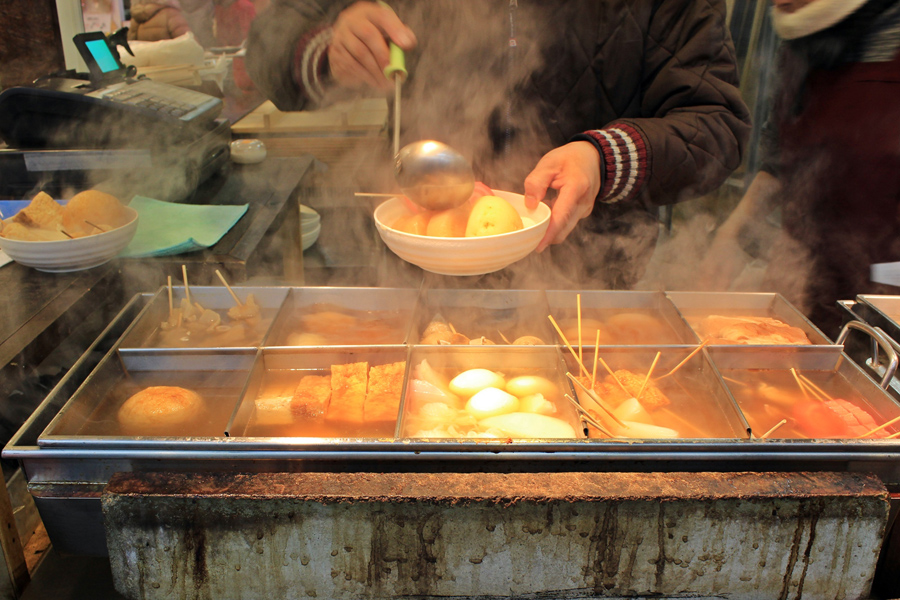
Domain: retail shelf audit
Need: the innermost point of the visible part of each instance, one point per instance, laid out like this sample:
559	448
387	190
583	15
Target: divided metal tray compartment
488	313
308	361
219	378
690	304
511	361
145	328
401	301
730	359
697	376
601	305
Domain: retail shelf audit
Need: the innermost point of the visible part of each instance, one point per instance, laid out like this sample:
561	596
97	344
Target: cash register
133	134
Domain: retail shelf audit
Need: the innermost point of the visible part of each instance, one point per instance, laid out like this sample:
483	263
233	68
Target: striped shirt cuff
311	63
624	153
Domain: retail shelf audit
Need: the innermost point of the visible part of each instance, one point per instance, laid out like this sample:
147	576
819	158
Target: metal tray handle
886	343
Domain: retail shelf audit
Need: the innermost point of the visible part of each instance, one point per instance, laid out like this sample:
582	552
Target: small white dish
248	152
64	256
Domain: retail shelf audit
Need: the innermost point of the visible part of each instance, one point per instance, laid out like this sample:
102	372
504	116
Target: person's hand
359	52
573	171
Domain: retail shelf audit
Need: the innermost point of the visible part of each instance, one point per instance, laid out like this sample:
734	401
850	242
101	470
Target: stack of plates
310	226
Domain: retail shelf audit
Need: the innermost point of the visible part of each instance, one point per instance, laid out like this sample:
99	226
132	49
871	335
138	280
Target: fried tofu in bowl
87	231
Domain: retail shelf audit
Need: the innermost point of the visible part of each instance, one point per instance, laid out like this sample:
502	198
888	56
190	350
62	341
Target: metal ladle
434	175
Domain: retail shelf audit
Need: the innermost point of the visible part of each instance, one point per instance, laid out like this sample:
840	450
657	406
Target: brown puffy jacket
665	67
155	21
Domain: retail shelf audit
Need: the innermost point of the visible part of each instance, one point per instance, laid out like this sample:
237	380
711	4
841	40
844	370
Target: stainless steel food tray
66	472
500	316
145	330
691	304
367	305
624	318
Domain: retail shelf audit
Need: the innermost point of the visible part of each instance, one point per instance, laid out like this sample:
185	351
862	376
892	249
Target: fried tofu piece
16	231
348	393
311	397
383	395
42	211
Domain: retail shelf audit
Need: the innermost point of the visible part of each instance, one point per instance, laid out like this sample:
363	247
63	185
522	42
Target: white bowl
308	239
308	214
63	256
466	255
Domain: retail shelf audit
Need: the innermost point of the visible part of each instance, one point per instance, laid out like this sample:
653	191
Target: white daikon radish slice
468	383
642	430
633	410
529	425
438	410
420	392
527	385
536	403
427	373
490	402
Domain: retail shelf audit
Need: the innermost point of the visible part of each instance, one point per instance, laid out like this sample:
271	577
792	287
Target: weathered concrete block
546	535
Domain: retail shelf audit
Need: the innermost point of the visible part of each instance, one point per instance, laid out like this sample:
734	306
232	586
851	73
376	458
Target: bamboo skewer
686	358
187	288
66	233
504	337
619	381
801	384
580	347
815	387
879	428
171	304
94	225
599	401
893	436
228	287
596	354
566	342
587	416
729	379
774	428
452	328
647	378
367	195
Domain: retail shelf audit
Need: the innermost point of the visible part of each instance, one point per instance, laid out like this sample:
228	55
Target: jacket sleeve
178	25
694	125
283	37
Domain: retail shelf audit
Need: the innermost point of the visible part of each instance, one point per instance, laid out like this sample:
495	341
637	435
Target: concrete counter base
488	535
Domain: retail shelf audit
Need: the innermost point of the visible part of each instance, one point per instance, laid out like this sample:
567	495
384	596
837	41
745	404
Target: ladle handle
397	65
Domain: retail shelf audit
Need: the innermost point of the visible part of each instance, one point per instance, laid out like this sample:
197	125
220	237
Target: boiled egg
491	402
468	383
526	385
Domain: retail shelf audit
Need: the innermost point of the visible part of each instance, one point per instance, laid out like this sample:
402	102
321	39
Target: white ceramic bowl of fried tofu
76	254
